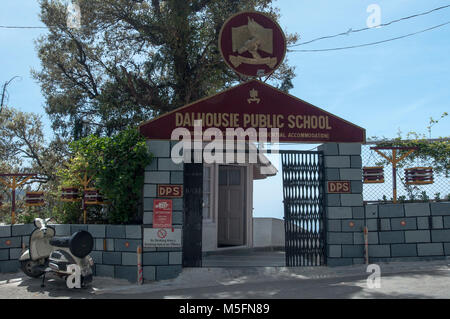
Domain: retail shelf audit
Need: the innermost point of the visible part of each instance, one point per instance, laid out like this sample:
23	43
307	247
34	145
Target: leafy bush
117	165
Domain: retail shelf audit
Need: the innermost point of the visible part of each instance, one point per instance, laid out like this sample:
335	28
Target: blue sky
393	86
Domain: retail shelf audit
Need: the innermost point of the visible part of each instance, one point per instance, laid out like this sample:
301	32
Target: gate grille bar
303	194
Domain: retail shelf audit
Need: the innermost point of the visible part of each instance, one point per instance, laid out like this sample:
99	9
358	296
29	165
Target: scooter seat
61	241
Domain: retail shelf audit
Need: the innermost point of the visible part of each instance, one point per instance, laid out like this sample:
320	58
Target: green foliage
133	60
117	164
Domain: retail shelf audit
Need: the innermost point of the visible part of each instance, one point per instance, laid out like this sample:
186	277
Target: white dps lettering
74	280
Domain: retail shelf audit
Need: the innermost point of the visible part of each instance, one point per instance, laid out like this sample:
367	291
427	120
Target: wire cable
364	29
373	43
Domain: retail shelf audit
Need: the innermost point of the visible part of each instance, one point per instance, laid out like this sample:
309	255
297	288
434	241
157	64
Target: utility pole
4	92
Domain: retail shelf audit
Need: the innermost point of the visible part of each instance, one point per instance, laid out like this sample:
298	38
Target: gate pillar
344	218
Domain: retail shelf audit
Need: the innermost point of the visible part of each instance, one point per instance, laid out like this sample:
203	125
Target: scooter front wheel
29	268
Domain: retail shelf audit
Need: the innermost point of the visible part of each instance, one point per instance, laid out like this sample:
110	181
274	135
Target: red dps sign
162	213
338	187
170	191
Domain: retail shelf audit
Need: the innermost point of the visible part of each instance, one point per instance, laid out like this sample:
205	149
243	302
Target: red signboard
170	191
256	105
339	187
162	213
252	44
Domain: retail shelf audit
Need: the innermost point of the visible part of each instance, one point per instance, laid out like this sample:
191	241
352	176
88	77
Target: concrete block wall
410	231
162	263
344	213
114	253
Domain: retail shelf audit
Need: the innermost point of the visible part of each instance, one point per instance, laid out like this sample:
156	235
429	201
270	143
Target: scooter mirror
38	222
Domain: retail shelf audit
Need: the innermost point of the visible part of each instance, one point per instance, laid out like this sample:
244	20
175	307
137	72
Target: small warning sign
163	238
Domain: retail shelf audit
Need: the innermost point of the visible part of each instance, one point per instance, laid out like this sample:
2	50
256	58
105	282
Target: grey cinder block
351	200
385	224
155	258
153	166
354	251
333	200
97	231
98	244
358	225
337	161
5	231
332	174
115	231
329	149
440	235
358	238
10	242
403	224
62	229
351	174
391	210
371	211
355	161
339	212
148	218
167	164
423	223
133	231
157	177
442	209
175	258
340	238
447	222
150	190
15	253
334	251
392	237
356	187
438	222
417	236
334	225
349	149
104	270
168	272
176	178
177	218
379	251
148	204
129	259
126	245
112	258
4	254
159	148
358	212
22	229
338	262
417	209
372	224
435	249
447	249
404	250
9	266
149	273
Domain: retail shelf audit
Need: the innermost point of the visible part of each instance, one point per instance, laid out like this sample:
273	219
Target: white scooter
68	257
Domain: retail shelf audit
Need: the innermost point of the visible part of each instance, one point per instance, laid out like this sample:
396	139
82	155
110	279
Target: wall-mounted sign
162	213
252	44
257	105
162	237
170	191
339	187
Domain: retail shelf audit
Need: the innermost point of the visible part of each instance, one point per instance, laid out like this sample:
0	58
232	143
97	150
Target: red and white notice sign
162	213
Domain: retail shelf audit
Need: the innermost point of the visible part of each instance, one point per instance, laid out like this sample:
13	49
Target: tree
133	60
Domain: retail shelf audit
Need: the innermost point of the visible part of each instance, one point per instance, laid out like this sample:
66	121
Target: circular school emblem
252	44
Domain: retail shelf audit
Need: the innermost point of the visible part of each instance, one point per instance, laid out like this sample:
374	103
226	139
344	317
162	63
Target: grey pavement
398	280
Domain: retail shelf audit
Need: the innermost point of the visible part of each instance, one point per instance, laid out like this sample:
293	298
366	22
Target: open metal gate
193	200
303	194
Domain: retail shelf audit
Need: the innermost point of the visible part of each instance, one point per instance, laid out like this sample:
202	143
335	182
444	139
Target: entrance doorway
231	206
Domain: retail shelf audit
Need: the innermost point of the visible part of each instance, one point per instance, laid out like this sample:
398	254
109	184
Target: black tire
28	268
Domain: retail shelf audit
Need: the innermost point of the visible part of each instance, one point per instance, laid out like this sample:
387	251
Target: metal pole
13	206
140	278
394	175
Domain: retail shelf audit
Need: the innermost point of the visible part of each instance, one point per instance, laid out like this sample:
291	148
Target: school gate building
213	204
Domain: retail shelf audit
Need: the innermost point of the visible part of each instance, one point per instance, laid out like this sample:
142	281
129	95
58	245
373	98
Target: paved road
398	281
